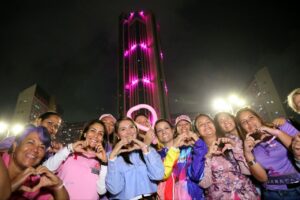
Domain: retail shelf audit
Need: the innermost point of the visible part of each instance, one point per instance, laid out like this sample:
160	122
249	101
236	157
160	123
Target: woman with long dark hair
133	166
82	165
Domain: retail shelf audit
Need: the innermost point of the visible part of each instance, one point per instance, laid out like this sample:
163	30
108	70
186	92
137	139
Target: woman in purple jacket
266	151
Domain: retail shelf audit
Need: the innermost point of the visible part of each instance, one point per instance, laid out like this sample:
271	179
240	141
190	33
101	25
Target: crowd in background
227	156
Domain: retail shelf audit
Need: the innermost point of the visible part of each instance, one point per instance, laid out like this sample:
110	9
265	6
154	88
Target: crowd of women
225	157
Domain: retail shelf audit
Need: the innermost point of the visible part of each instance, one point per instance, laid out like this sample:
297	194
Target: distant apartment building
32	102
262	96
71	132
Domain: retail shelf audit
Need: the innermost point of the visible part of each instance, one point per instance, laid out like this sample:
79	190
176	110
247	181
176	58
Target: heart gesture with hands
180	140
80	146
46	179
213	150
272	131
128	145
18	181
263	134
225	144
189	138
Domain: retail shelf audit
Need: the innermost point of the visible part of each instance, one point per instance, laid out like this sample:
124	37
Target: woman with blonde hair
293	100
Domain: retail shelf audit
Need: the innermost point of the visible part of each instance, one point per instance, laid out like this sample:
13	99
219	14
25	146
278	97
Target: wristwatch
251	163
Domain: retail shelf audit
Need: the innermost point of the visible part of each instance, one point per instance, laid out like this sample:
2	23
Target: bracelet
251	163
70	148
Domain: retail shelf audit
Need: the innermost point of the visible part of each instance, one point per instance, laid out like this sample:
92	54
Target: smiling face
183	126
127	130
52	124
164	132
94	135
249	121
206	127
226	123
29	152
142	120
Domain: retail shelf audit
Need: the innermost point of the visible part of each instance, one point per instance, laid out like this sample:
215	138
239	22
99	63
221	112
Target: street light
8	129
3	127
221	105
228	104
17	128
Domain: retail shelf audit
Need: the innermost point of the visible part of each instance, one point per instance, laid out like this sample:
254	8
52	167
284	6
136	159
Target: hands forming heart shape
32	180
128	145
185	139
84	148
222	145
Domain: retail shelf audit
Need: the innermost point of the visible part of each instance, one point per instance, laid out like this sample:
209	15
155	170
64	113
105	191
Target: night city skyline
70	49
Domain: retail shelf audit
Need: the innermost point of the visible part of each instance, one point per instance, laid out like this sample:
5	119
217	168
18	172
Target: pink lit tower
141	78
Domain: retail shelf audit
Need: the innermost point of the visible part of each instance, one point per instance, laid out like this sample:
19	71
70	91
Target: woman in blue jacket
133	167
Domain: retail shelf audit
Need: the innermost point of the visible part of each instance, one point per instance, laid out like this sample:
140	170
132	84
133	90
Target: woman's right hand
179	140
213	150
79	146
17	182
249	145
118	148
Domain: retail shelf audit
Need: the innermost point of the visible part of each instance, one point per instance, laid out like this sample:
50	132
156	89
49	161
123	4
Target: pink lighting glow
133	47
131	14
142	13
143	45
161	55
146	80
135	81
166	88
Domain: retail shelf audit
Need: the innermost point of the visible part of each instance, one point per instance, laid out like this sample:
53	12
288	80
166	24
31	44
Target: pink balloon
145	106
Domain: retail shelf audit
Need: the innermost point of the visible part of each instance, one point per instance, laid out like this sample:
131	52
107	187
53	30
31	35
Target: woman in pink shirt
28	179
84	169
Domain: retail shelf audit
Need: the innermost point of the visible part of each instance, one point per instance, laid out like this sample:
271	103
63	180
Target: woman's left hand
271	131
100	153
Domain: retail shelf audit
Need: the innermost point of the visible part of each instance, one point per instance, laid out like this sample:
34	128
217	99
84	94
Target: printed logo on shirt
96	169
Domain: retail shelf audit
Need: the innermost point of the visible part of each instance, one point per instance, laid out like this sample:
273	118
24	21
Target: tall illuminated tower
141	77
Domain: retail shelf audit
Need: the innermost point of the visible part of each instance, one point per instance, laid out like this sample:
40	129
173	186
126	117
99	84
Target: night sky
210	48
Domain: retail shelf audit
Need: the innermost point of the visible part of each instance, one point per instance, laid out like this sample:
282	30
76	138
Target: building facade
71	132
141	78
31	103
262	96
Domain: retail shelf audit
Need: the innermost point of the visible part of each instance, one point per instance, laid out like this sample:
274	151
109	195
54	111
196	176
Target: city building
141	77
262	96
32	102
71	132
